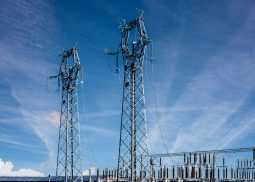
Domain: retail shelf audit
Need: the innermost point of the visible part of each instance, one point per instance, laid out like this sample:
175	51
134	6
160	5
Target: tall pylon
69	164
133	160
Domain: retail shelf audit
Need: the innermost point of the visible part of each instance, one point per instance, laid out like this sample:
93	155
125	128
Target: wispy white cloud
7	169
25	68
45	127
13	140
238	131
206	92
217	92
201	132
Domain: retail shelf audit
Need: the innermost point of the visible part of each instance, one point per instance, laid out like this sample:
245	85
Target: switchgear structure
69	166
133	160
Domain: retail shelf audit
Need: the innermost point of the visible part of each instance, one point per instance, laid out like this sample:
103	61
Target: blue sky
203	69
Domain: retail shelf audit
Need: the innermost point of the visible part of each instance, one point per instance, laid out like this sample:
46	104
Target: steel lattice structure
133	160
69	166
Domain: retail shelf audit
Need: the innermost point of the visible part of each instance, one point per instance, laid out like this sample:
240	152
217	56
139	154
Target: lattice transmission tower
69	166
133	160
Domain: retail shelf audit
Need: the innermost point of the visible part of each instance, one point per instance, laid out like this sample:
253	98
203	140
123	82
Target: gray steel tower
69	166
133	161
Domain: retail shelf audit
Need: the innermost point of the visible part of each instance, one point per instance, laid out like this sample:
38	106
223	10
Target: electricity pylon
69	166
133	160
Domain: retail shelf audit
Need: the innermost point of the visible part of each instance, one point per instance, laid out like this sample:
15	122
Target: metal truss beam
133	160
69	166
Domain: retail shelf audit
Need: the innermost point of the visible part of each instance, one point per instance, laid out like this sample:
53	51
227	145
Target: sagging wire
84	119
146	105
91	157
156	103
